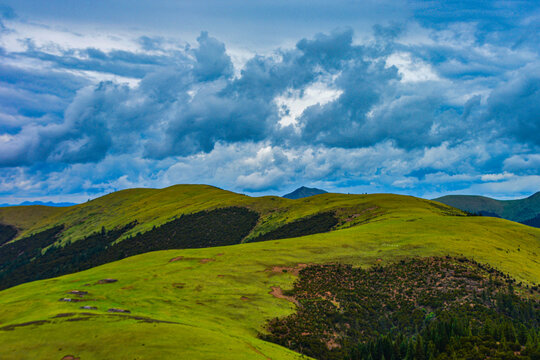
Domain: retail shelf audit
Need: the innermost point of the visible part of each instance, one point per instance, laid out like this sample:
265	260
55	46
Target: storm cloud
423	107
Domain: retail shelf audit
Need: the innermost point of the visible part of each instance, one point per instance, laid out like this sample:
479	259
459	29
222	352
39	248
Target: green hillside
213	302
153	207
136	221
522	210
29	217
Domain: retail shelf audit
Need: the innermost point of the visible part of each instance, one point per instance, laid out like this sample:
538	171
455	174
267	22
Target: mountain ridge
41	203
524	210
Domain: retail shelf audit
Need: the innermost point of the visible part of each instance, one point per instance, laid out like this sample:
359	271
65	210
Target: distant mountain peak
303	192
48	203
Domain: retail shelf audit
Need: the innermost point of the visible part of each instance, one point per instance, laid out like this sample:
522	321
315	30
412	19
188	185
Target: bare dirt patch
71	357
288	269
278	292
204	261
178	258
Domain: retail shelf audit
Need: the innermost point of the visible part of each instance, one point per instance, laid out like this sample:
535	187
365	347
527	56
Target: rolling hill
214	302
136	221
525	211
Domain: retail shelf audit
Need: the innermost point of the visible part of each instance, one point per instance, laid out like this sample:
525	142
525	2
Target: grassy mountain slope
153	207
134	220
516	210
29	217
216	300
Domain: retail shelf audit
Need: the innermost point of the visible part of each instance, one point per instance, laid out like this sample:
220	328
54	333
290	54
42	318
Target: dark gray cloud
186	108
436	111
212	60
514	107
117	62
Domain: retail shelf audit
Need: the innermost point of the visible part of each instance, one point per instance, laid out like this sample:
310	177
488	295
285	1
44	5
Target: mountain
525	211
42	203
303	192
240	270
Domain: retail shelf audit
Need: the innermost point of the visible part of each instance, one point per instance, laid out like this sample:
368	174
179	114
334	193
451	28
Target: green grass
29	217
157	206
211	318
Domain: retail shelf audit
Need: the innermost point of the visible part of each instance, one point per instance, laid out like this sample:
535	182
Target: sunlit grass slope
217	299
28	217
157	206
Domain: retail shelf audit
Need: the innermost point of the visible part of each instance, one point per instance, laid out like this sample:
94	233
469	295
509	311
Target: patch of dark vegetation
107	281
7	233
421	308
114	310
220	227
19	253
487	213
535	221
57	260
22	261
14	326
319	223
62	315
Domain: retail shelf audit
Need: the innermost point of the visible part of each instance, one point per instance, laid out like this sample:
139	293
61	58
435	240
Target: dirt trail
257	351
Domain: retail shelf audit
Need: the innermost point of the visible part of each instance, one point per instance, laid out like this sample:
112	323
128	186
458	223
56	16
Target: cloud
212	60
443	112
528	163
515	106
497	177
6	13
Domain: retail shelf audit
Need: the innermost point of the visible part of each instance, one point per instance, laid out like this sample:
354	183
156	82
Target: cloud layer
425	106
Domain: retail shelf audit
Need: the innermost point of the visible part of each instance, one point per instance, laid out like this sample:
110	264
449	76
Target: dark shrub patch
431	308
7	233
21	252
218	227
315	224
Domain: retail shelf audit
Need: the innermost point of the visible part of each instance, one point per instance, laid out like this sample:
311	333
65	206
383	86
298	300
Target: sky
425	98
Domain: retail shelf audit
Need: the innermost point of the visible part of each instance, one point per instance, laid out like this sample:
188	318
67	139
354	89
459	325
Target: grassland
154	207
216	300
